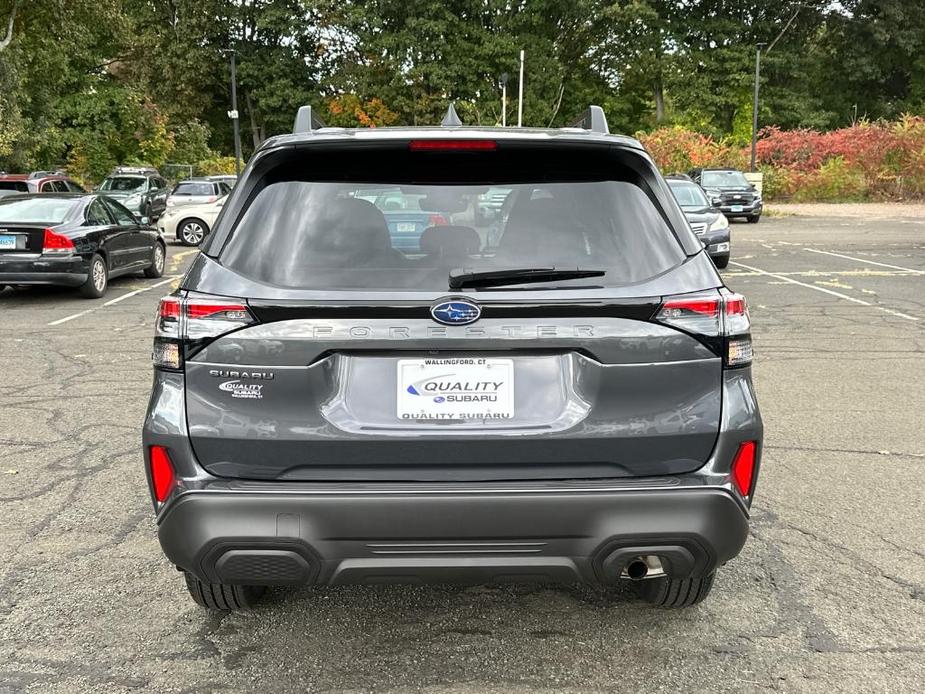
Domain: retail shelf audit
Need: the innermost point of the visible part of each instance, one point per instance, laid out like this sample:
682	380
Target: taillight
436	220
719	316
743	468
56	244
187	323
163	477
453	145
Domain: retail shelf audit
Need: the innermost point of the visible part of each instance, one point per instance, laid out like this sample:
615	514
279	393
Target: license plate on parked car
7	243
405	226
455	389
736	208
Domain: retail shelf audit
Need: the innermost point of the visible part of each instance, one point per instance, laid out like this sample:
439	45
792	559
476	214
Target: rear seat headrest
450	239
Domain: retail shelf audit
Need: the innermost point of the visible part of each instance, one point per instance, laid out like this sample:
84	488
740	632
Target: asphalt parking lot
828	595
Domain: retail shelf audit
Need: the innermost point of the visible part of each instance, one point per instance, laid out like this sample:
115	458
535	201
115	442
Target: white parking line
139	291
72	317
123	297
831	292
869	262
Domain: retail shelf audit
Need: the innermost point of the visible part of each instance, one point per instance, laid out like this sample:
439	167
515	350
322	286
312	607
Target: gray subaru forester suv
369	374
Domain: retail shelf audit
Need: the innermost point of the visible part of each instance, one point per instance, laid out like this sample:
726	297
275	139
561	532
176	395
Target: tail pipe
645	566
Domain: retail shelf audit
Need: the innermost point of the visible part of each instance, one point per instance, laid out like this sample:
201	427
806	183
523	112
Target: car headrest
450	239
352	227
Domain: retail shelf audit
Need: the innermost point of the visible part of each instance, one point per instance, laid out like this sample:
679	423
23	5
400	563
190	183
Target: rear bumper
275	538
71	271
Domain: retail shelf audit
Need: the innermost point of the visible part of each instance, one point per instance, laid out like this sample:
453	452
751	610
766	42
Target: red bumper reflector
453	145
743	467
162	474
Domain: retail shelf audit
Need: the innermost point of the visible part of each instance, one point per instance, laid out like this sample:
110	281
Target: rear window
317	234
193	189
19	186
44	210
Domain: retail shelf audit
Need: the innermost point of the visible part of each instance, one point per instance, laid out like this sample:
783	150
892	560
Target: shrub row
867	161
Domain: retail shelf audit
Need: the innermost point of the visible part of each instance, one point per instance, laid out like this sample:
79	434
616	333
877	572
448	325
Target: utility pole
520	95
755	103
233	114
758	76
504	78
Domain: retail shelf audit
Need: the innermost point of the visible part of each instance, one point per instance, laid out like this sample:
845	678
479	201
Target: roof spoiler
306	121
592	119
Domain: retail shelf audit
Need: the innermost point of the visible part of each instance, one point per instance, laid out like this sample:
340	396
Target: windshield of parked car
689	195
123	184
324	235
38	210
723	179
190	188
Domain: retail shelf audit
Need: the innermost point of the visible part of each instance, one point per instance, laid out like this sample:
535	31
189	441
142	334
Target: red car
39	182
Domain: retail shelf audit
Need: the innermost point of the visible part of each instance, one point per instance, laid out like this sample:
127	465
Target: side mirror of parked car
716	201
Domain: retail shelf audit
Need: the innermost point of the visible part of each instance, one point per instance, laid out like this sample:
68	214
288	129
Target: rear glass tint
20	186
317	234
47	210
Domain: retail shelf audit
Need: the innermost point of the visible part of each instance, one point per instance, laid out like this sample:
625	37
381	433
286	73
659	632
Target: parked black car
566	400
730	192
141	190
706	220
74	240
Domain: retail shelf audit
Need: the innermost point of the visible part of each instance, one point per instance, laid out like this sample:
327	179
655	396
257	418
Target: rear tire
675	593
158	260
222	597
754	218
97	278
191	232
721	261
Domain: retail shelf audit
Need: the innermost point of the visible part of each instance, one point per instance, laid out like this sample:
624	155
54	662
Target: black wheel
676	592
721	260
97	278
191	232
754	218
158	260
2	287
218	596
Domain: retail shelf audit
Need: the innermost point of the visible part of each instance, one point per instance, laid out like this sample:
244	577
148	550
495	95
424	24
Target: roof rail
306	121
592	119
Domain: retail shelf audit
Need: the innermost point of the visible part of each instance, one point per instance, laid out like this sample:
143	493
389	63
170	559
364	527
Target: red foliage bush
879	160
867	160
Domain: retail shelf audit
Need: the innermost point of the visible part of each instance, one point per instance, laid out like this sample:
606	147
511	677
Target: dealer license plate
452	389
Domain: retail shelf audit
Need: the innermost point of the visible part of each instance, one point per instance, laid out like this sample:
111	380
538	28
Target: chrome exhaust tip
640	568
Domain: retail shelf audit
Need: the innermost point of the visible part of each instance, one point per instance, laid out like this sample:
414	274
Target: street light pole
233	114
504	78
755	104
520	95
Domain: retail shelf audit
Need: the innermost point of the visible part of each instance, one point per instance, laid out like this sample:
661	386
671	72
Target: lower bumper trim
273	538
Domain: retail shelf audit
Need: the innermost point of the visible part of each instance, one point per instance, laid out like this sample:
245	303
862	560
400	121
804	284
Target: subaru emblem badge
455	312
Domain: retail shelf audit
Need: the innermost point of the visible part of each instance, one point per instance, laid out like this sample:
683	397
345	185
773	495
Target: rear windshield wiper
498	278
